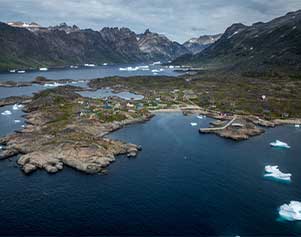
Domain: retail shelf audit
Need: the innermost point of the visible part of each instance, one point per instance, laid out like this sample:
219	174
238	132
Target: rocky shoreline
58	134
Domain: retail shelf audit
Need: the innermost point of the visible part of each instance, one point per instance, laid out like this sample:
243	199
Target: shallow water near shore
181	183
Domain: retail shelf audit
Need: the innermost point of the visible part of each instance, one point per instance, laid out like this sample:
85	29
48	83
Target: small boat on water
279	144
44	69
21	71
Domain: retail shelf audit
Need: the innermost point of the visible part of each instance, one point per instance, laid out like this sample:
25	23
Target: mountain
196	45
159	46
275	45
31	45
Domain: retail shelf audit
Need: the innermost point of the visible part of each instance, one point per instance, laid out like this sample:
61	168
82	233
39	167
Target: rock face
157	46
196	45
57	135
271	46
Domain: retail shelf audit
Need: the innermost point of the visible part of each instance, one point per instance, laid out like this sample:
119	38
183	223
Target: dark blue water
182	183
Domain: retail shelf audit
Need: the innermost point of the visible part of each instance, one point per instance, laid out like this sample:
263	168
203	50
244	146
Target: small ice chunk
23	126
291	211
200	117
17	106
297	126
6	112
17	121
193	124
280	144
55	84
274	172
155	70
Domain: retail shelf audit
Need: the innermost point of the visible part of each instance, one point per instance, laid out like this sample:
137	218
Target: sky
179	20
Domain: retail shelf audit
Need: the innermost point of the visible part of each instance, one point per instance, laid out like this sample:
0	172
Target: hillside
271	46
196	45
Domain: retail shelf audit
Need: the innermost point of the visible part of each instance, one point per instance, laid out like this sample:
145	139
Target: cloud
179	19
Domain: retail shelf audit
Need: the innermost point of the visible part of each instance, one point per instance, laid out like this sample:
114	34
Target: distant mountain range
271	46
29	45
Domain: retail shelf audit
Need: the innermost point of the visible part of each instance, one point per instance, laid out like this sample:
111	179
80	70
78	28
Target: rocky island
64	128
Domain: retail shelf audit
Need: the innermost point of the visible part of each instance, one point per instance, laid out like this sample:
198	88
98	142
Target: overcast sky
178	19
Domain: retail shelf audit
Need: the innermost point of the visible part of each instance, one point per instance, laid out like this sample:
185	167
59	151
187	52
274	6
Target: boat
43	69
280	144
21	71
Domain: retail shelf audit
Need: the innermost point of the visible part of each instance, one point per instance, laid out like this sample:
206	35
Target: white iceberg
200	117
297	126
44	69
274	172
17	121
55	84
132	69
17	106
291	211
280	144
73	67
156	63
155	70
193	124
89	65
105	64
6	112
12	71
21	72
171	67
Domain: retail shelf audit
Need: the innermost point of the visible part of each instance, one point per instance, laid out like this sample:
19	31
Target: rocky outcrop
57	135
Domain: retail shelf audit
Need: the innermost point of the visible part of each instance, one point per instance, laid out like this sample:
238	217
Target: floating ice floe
291	211
1	147
55	84
23	126
105	64
89	65
274	172
44	69
17	106
12	71
6	112
156	63
17	121
171	67
297	125
73	67
193	124
200	117
21	72
155	70
131	69
279	144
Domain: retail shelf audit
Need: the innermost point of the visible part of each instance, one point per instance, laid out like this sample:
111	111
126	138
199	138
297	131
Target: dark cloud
178	19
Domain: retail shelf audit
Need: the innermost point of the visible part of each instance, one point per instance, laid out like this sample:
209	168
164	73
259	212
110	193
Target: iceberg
291	211
12	71
89	65
73	67
17	106
21	72
200	117
274	172
6	112
279	144
105	64
193	124
17	121
155	70
53	84
156	63
297	126
43	69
